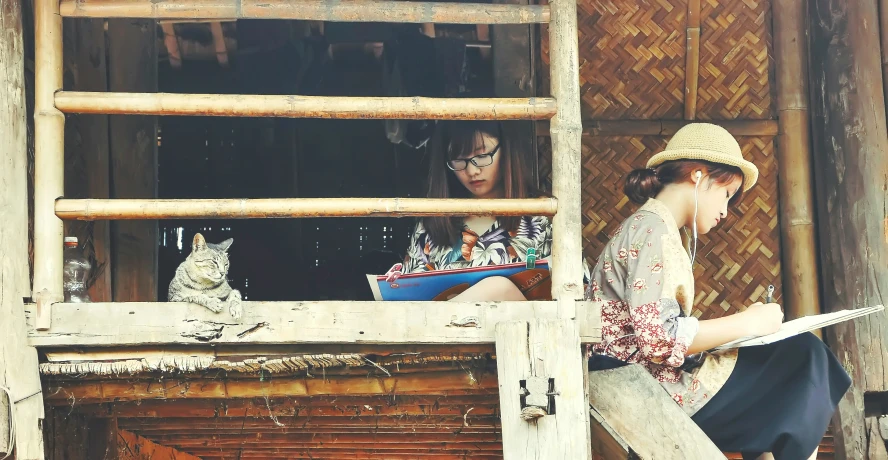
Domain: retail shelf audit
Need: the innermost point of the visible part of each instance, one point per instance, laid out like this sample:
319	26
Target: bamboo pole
801	286
756	128
566	131
227	105
127	209
692	59
310	10
49	135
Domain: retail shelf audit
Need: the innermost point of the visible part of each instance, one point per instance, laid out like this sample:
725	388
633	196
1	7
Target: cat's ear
223	246
199	242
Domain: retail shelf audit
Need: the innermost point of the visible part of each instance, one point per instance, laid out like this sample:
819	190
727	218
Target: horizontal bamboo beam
310	10
135	209
290	106
763	128
162	323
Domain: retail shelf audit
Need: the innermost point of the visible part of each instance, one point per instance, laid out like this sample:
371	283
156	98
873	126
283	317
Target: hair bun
642	184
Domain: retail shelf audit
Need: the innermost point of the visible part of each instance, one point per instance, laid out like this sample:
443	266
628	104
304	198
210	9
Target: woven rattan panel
734	263
632	59
735	57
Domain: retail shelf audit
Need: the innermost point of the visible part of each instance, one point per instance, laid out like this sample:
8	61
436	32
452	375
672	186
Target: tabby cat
201	278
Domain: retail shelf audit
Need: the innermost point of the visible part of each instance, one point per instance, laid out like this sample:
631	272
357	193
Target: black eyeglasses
485	159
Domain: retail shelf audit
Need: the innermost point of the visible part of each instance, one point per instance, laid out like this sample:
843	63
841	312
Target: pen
770	297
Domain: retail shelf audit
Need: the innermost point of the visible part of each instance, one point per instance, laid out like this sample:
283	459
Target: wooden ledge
331	322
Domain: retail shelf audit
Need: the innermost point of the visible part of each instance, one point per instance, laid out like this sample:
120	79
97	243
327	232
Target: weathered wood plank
637	408
547	349
437	383
146	323
131	446
18	361
398	405
132	61
849	139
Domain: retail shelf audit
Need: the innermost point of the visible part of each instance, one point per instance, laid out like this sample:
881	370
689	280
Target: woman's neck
676	201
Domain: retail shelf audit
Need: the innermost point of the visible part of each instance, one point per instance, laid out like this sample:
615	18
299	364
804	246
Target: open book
801	325
534	283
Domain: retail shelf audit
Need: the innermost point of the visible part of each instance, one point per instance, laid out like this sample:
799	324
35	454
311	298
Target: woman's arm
759	319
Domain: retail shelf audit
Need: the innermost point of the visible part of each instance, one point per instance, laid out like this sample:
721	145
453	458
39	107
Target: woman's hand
762	319
394	273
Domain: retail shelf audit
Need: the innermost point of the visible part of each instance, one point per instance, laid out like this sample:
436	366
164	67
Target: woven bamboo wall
632	67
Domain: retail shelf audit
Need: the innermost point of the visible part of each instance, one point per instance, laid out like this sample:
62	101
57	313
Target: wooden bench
633	417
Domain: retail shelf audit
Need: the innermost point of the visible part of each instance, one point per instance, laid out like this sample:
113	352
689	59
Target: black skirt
779	399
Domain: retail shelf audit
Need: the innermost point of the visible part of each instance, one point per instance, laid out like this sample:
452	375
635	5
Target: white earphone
699	175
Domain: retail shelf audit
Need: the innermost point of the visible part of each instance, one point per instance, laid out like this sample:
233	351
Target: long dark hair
642	184
453	139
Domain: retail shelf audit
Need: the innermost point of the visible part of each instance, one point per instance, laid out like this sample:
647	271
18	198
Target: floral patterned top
494	247
645	287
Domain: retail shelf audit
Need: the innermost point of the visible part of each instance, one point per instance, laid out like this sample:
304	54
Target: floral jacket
645	287
494	247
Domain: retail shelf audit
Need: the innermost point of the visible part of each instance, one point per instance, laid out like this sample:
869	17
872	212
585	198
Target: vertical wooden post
542	349
18	361
801	291
851	175
87	173
49	167
514	76
692	59
103	439
132	61
566	130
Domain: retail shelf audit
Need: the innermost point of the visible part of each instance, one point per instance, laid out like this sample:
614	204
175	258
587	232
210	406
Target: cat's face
208	262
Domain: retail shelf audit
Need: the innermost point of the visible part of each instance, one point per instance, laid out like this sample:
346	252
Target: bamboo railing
310	10
559	359
298	207
238	105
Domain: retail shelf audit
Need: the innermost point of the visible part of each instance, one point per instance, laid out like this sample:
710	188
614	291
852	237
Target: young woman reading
472	159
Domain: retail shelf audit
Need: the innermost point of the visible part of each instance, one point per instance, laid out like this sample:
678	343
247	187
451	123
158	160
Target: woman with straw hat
775	398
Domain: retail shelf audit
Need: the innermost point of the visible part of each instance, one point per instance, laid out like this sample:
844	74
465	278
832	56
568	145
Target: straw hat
708	142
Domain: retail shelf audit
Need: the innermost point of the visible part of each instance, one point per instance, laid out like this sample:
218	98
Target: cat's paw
235	307
214	304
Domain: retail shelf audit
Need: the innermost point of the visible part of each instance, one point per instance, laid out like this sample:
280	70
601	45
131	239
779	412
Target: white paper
801	325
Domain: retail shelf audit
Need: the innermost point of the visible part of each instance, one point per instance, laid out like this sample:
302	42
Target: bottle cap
70	240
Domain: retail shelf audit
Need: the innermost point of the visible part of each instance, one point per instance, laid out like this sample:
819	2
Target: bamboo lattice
735	263
735	57
632	60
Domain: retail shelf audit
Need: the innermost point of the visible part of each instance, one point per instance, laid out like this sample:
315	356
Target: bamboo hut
135	124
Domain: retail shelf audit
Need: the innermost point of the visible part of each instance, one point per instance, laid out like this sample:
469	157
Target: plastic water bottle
76	271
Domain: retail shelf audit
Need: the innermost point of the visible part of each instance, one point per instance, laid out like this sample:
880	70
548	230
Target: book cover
534	283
